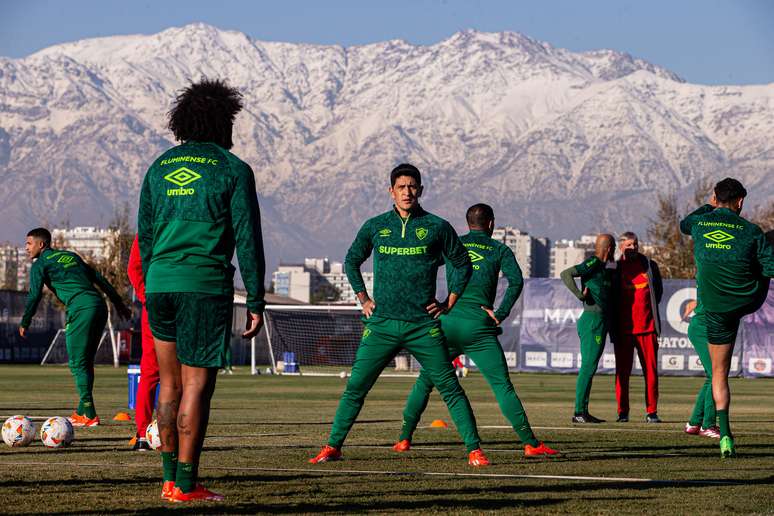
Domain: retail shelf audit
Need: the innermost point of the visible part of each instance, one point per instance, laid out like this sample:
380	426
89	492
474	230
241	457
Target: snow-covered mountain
559	143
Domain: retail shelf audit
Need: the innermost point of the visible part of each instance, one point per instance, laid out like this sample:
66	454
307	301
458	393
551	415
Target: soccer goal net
317	340
56	354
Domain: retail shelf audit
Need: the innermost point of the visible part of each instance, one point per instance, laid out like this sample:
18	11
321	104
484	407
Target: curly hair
205	112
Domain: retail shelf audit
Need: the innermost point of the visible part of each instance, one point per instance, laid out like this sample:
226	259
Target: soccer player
408	245
703	418
638	288
472	327
149	365
197	203
593	324
732	259
73	282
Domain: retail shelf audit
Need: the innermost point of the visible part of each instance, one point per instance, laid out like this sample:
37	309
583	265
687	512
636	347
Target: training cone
122	416
439	423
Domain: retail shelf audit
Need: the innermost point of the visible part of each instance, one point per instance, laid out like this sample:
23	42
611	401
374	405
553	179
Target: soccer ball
343	375
152	435
57	432
18	431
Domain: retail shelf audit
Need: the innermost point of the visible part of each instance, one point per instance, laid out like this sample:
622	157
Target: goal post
319	340
56	354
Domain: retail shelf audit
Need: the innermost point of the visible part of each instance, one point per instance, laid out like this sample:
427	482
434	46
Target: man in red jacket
638	289
149	366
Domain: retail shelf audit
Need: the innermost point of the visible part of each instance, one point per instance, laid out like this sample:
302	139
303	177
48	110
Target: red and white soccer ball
18	431
57	432
152	435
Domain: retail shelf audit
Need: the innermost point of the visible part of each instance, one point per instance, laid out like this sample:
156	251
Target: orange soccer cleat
402	446
167	489
477	459
83	421
199	493
541	450
327	454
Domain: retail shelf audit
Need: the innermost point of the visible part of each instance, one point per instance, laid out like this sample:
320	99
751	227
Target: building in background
317	280
566	253
89	242
531	253
14	268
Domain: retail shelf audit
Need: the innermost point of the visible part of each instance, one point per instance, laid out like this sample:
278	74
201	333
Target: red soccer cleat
402	446
327	454
167	489
712	432
692	429
83	421
199	493
541	450
477	459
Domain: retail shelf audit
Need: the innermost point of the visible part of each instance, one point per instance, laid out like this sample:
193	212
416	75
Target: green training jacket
488	258
70	279
198	203
407	254
732	258
597	277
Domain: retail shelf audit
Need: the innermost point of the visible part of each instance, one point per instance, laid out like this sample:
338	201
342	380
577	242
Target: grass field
263	430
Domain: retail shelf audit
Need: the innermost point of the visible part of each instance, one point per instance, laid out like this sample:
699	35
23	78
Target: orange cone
122	416
439	423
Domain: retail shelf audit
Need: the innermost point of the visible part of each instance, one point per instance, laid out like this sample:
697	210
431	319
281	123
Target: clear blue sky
704	41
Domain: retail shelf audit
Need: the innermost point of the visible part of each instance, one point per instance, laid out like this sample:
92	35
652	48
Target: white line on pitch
394	473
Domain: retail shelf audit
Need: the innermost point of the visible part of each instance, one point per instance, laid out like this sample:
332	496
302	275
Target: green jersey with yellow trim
198	203
70	279
407	254
732	257
488	258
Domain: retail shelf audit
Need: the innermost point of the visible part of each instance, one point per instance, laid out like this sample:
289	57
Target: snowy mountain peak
559	142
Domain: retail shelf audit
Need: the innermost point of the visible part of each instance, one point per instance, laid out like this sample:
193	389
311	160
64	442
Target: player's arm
455	256
134	270
765	254
105	286
357	254
568	278
33	297
512	272
145	225
246	220
687	223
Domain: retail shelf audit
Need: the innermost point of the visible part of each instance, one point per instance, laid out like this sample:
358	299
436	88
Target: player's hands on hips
491	314
437	308
368	307
690	306
586	295
23	332
253	325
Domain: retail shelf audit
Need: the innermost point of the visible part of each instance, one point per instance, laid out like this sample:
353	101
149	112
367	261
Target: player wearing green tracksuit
407	251
593	324
733	262
702	420
73	282
472	326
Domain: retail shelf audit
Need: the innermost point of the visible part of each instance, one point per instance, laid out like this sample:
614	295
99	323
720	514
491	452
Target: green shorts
199	323
722	327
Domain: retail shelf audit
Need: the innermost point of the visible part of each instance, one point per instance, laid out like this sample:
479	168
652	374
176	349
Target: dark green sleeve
512	273
145	225
358	253
104	285
36	292
765	254
457	256
687	223
246	220
568	277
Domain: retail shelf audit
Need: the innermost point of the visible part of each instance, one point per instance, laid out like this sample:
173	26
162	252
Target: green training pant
704	409
476	339
592	330
82	334
382	340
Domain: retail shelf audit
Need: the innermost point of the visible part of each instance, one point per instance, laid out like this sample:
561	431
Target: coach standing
638	288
